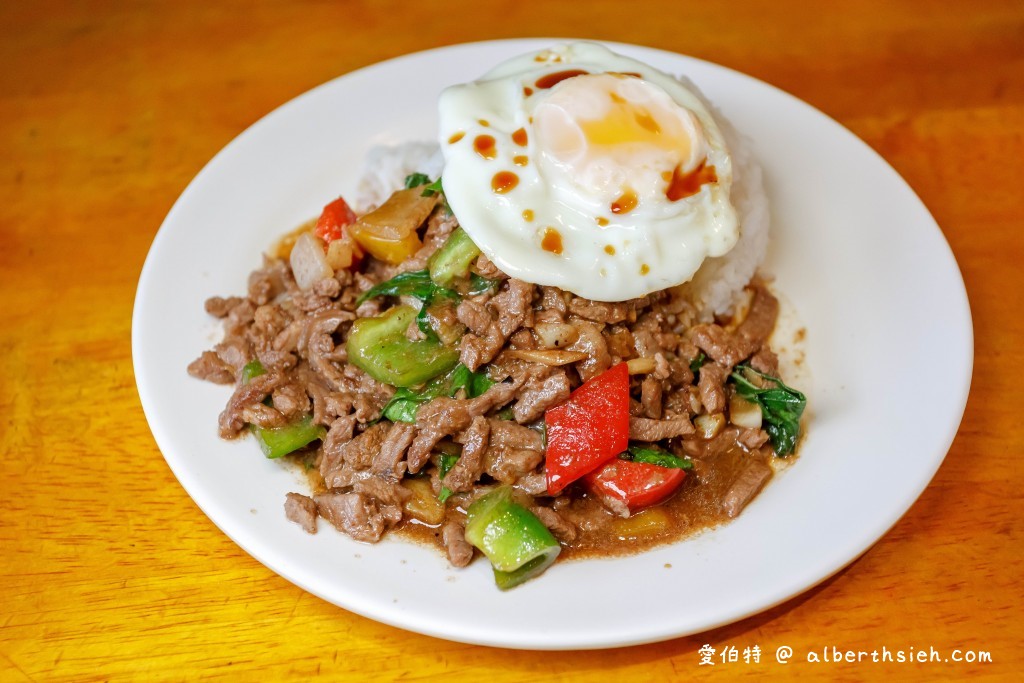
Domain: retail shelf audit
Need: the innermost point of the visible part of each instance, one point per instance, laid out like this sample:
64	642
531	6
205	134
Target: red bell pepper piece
335	218
637	484
589	429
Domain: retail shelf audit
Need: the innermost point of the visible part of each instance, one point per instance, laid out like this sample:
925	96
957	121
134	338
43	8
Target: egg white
603	256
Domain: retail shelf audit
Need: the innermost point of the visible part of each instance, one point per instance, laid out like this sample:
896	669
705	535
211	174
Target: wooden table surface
107	110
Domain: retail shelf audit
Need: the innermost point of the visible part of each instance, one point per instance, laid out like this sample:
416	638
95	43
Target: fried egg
583	169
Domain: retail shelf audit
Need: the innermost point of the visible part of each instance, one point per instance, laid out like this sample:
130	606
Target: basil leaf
415	283
781	406
655	456
433	188
415	180
405	402
445	464
403	406
478	284
697	363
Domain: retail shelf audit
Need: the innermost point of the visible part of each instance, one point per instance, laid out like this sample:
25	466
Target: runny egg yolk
612	135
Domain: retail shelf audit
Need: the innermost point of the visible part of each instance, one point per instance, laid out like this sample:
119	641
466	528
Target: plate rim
797	586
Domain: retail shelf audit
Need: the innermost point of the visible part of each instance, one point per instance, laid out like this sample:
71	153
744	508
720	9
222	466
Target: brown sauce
484	145
519	137
520	160
552	241
684	185
696	507
626	203
504	181
553	79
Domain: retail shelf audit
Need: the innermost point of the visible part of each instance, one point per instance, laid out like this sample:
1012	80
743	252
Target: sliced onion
709	426
640	366
744	413
340	253
309	264
556	335
551	357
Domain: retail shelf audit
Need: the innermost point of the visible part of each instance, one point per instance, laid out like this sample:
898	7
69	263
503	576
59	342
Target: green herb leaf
253	368
405	402
445	463
433	188
697	363
415	180
656	456
403	406
781	406
416	283
478	284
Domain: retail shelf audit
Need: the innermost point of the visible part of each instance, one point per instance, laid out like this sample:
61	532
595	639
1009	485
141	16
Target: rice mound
718	283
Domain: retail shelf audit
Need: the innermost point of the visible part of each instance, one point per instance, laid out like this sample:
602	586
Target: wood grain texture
107	110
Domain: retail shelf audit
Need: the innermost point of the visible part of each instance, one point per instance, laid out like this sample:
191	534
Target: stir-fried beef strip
536	344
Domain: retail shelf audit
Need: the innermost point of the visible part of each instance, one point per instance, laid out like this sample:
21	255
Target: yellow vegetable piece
650	522
423	504
389	231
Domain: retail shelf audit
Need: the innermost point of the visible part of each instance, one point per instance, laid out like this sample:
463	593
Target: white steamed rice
716	286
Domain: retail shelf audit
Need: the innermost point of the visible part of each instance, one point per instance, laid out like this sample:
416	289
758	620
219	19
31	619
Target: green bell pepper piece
284	440
453	259
281	441
518	544
379	347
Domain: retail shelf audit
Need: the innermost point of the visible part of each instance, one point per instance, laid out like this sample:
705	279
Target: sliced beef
602	312
765	361
712	387
753	476
357	514
291	400
383	489
443	416
650	396
357	453
301	510
505	434
533	484
263	416
752	439
388	461
453	534
760	320
723	347
591	342
219	307
513	306
474	315
246	396
731	348
485	268
470	465
210	367
562	529
644	429
508	465
476	350
511	310
538	394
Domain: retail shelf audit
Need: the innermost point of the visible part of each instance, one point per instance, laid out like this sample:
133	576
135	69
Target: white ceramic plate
889	348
